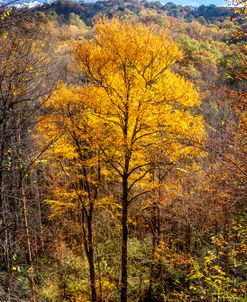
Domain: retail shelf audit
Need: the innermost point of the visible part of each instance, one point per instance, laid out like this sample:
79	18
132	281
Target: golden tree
144	107
140	114
74	162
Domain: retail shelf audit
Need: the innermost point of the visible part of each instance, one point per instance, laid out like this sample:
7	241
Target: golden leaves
132	111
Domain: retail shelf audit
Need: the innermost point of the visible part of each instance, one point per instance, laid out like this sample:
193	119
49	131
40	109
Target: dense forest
123	152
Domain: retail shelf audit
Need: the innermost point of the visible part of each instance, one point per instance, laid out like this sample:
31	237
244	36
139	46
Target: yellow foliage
134	112
128	66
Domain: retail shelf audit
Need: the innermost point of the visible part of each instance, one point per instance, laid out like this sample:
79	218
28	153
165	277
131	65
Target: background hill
88	10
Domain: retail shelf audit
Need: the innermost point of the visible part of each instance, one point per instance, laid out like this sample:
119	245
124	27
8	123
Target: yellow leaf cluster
133	111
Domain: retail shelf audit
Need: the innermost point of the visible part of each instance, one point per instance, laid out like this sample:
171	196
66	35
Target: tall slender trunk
152	268
92	192
91	260
100	296
28	243
36	185
124	260
4	211
155	242
89	249
156	268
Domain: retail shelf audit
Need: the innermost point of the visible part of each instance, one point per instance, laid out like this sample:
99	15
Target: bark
89	249
91	260
4	212
155	242
151	277
124	260
28	244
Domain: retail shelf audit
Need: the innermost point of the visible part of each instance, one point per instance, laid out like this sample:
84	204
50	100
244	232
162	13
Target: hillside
88	10
123	142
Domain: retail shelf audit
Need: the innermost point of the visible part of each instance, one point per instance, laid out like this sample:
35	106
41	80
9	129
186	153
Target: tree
74	161
23	76
144	108
11	16
222	274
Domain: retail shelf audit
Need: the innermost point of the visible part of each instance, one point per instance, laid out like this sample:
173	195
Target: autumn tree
12	16
70	150
23	76
223	272
144	109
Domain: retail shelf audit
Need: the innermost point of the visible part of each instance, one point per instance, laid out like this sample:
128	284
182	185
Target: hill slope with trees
123	141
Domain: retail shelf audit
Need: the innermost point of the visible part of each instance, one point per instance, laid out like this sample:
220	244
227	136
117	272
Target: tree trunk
91	260
89	249
28	243
124	261
152	267
4	221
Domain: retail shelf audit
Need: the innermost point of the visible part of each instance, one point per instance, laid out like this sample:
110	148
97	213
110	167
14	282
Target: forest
123	152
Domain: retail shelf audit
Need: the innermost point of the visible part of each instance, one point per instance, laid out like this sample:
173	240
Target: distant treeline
88	10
